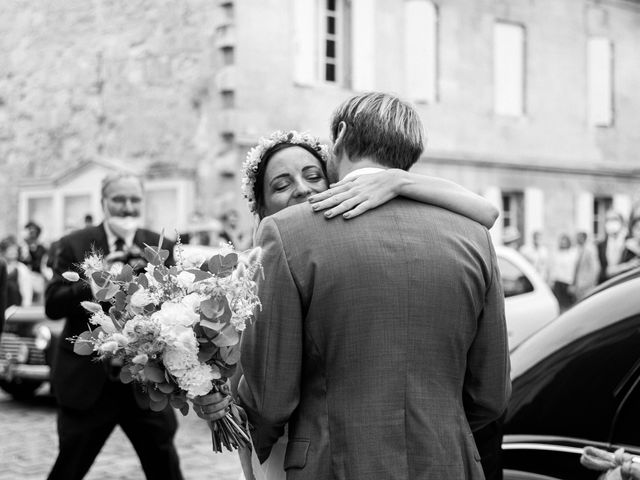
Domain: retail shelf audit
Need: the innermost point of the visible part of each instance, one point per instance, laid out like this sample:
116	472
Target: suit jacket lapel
98	238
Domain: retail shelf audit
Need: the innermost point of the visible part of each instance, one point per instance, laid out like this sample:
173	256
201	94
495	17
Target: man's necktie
119	244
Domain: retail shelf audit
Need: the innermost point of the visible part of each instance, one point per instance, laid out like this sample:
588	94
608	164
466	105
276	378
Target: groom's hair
382	127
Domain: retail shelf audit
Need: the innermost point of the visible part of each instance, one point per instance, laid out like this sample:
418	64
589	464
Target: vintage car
27	346
576	382
529	303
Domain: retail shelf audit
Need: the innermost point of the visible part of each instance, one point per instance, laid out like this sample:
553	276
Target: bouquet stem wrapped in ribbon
175	330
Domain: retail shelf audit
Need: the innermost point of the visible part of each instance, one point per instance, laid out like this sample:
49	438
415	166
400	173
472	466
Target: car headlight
42	336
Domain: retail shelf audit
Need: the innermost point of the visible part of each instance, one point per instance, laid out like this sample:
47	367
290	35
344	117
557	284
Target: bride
288	168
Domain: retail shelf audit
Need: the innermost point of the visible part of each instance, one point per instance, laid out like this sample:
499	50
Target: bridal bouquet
175	330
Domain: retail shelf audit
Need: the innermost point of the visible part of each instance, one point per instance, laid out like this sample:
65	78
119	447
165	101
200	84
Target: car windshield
594	313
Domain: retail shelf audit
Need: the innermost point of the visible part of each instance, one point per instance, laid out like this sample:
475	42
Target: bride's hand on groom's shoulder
355	196
212	407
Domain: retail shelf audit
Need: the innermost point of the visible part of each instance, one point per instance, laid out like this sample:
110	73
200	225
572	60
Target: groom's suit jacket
381	342
78	381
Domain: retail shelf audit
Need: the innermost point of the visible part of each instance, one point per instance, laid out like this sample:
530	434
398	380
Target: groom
382	340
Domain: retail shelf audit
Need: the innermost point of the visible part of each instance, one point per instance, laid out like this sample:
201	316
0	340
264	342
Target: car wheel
20	390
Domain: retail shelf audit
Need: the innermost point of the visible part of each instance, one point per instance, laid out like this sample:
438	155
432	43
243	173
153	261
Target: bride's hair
255	165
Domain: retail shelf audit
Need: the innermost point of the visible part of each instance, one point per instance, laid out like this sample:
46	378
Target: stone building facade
531	103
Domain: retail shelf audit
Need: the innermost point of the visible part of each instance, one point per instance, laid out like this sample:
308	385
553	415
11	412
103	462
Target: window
508	68
421	50
332	41
600	81
600	207
322	41
513	210
514	281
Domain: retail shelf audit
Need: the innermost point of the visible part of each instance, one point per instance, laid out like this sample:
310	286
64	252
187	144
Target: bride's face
292	175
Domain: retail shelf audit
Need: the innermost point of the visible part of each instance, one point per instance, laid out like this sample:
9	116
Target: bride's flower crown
254	157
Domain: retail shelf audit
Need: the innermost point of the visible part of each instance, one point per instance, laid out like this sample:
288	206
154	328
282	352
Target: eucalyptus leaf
100	278
206	352
212	307
222	266
125	375
215	326
121	300
156	395
226	337
230	355
126	274
184	409
142	280
166	387
199	274
157	274
177	401
153	373
83	345
158	406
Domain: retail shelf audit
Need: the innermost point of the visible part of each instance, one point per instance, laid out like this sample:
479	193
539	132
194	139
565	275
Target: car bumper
13	371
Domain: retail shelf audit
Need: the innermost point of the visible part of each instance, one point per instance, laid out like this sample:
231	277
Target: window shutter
304	38
421	56
363	59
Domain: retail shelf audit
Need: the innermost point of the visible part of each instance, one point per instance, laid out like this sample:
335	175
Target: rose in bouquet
175	330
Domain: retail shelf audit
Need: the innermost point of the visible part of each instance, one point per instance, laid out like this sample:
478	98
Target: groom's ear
339	141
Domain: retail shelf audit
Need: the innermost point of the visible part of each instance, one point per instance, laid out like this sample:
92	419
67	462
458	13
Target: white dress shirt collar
362	171
112	238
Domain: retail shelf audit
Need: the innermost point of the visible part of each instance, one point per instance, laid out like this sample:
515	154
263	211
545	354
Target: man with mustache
90	396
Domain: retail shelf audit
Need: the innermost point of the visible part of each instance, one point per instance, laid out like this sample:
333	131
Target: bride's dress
273	467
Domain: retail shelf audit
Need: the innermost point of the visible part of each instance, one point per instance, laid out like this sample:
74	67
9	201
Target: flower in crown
255	155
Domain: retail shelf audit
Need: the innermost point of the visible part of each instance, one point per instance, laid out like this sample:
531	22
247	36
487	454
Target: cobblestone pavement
29	445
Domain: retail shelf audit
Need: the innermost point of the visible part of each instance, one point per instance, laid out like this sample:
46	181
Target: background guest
587	267
611	247
563	268
537	254
19	286
631	254
3	292
231	233
34	255
90	396
511	237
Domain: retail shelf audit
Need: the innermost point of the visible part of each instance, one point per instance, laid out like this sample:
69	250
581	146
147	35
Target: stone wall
104	78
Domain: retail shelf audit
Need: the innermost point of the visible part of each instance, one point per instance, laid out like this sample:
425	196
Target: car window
576	391
514	281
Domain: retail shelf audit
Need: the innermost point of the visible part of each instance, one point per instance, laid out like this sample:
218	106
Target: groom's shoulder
296	216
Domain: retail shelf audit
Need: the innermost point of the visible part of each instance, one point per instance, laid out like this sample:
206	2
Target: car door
584	394
529	304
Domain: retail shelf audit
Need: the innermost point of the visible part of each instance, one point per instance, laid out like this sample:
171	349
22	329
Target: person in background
537	254
34	251
611	247
34	254
3	292
91	399
587	267
631	253
562	273
511	237
19	285
88	220
231	232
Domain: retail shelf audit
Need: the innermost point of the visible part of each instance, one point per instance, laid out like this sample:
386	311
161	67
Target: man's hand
212	407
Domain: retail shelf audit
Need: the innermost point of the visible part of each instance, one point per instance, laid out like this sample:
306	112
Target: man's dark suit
91	404
3	292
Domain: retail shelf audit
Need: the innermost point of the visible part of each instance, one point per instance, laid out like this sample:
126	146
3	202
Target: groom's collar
362	171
